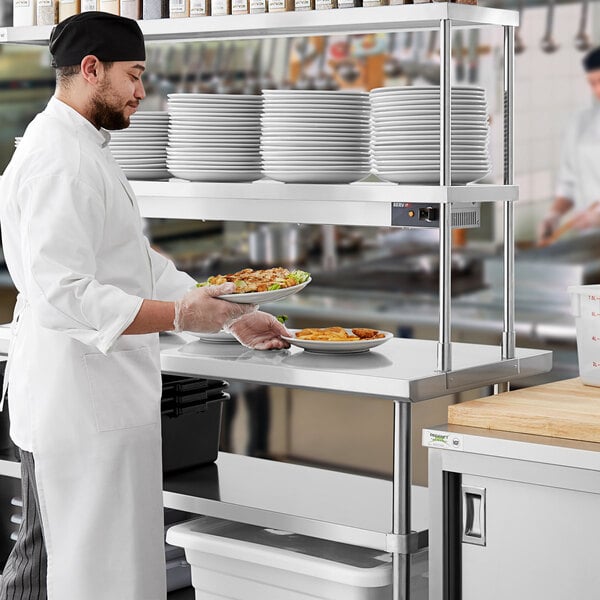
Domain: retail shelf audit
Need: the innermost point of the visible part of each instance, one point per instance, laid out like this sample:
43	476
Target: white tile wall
549	88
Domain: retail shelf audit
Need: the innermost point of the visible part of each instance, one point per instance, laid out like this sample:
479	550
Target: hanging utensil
324	80
266	77
406	51
432	48
213	83
198	86
252	79
548	44
225	83
303	82
392	67
473	56
286	83
582	39
347	69
460	49
519	45
164	82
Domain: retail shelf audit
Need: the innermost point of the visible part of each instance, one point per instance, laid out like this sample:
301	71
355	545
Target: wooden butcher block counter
563	409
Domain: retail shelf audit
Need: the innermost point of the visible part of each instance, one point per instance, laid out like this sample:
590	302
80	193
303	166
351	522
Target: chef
578	186
84	381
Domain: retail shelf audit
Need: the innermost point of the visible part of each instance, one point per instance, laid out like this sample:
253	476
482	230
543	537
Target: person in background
84	382
578	185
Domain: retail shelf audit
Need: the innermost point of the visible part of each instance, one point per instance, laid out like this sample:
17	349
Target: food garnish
264	280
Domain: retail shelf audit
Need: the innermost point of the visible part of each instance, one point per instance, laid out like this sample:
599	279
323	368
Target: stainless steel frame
401	496
509	338
444	344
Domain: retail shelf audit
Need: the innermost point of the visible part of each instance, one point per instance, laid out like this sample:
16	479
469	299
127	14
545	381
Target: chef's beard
106	116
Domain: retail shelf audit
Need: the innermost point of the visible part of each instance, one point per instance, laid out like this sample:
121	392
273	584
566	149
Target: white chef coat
84	399
579	173
81	276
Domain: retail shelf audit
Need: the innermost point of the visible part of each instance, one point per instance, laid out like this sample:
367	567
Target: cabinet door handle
473	515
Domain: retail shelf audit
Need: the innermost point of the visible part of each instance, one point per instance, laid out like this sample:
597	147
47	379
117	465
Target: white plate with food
337	340
277	283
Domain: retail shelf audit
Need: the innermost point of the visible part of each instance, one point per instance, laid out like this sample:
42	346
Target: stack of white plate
214	137
405	141
18	141
311	136
141	149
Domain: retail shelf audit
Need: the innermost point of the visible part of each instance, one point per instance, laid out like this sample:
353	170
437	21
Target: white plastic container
243	562
24	13
585	305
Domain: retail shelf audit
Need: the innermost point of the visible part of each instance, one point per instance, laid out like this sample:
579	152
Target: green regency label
442	439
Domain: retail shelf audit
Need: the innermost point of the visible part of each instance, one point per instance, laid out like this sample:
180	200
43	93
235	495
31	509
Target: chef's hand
259	330
200	310
548	226
588	218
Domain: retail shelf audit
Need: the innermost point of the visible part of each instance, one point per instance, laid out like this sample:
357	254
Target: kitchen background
381	278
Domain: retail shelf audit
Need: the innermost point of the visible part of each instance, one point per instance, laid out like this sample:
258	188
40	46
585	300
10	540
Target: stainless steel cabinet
540	542
512	516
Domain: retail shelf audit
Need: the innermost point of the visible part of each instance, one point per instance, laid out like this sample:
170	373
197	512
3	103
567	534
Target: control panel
415	214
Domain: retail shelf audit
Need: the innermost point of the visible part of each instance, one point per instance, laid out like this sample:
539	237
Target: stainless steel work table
402	370
340	507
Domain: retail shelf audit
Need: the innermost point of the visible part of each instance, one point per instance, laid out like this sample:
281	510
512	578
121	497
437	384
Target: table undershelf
340	507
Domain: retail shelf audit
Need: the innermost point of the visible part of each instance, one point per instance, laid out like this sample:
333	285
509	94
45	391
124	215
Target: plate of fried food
264	285
337	340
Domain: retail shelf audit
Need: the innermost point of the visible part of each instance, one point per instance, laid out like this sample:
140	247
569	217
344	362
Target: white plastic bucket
244	562
585	306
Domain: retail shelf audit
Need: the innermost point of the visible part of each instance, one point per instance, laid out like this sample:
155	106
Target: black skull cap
110	38
591	61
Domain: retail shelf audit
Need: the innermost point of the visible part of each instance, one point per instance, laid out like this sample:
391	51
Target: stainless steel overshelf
329	505
400	369
366	204
352	20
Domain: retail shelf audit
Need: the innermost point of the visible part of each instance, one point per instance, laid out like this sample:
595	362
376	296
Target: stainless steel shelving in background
347	21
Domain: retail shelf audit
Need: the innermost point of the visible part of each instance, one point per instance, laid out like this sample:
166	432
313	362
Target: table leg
401	495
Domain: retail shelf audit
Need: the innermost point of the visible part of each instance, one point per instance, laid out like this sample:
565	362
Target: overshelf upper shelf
285	24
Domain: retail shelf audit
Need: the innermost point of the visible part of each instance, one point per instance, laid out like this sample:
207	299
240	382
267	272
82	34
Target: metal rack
348	21
403	371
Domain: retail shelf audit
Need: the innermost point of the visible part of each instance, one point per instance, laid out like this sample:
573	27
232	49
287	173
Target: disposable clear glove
201	311
259	330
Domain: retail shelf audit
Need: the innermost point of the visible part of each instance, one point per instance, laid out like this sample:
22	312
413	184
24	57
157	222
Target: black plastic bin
191	421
